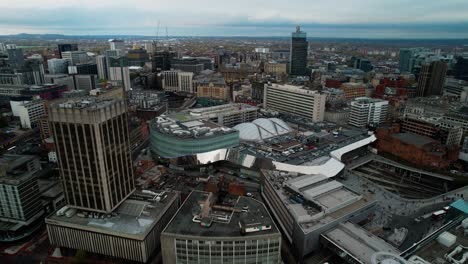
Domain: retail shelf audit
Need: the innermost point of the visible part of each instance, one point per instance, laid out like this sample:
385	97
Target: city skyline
346	19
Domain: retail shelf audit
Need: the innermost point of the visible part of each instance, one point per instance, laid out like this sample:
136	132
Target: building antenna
155	42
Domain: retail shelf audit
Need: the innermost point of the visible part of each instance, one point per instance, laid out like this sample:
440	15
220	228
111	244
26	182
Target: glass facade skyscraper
298	55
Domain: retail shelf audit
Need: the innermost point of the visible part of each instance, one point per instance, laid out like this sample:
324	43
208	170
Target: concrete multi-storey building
456	88
276	68
224	115
29	112
239	231
93	150
177	81
305	206
353	90
20	204
19	190
294	100
57	66
367	111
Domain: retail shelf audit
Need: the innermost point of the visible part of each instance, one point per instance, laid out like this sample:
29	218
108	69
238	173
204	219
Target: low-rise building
353	90
236	230
306	206
131	232
414	148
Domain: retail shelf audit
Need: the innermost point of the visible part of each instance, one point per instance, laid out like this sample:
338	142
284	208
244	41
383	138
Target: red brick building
417	149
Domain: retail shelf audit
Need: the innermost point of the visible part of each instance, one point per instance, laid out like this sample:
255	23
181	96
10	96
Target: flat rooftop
212	112
413	139
433	251
134	218
358	242
85	103
256	215
189	128
13	168
314	200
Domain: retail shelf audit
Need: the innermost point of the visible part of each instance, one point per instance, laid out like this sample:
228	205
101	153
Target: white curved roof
262	128
338	153
248	132
329	169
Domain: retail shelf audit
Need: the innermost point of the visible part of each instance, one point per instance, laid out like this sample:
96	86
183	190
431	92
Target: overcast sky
324	18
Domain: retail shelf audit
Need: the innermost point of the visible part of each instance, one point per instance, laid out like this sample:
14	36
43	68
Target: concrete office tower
294	100
117	44
367	111
119	72
16	57
93	150
2	47
57	66
75	57
431	79
102	70
177	81
239	231
66	47
298	54
28	112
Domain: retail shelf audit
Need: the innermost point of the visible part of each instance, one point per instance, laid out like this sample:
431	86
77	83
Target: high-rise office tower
405	59
101	63
432	78
298	55
93	150
16	57
67	47
119	72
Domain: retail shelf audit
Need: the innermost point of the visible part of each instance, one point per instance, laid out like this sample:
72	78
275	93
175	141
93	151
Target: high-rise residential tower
298	55
93	150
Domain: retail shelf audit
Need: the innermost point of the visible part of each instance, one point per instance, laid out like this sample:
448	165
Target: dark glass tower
67	47
298	55
432	78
